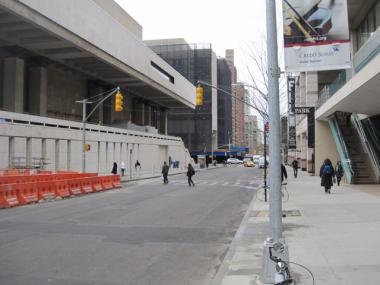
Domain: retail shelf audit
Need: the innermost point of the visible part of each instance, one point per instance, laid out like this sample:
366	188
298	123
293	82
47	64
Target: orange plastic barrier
66	172
116	181
96	183
26	192
8	196
62	188
74	187
107	182
86	185
45	172
46	190
12	172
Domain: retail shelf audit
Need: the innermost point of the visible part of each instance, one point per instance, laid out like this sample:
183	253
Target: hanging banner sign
291	94
316	35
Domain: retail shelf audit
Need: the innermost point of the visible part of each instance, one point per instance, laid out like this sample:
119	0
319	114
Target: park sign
303	110
316	35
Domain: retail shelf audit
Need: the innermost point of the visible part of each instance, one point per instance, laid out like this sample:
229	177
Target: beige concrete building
306	93
251	137
347	126
238	119
54	53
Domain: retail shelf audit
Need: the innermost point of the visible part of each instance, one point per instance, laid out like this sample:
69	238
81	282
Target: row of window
369	24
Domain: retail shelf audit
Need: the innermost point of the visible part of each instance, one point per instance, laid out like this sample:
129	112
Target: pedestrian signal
118	102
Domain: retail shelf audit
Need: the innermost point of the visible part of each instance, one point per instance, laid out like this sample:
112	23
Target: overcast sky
225	24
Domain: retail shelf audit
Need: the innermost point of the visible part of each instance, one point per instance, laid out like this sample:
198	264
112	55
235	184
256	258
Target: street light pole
84	112
85	117
274	123
275	203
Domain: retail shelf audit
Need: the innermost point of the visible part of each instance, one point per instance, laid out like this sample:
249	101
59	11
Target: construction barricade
86	185
74	187
116	181
62	189
96	183
8	196
46	190
26	192
107	182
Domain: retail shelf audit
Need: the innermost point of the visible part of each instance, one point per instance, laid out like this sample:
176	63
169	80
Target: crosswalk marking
238	183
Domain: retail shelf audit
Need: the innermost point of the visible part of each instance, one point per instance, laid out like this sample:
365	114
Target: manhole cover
285	213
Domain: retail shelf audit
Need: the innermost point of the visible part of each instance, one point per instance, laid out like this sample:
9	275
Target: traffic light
199	97
118	102
87	147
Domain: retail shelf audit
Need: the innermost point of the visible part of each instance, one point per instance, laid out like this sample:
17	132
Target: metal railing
369	50
342	149
368	146
329	90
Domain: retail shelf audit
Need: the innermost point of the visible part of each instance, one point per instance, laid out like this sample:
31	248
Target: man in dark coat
165	172
284	174
190	173
295	167
327	173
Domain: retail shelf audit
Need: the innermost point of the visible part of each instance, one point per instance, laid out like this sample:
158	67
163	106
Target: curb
224	267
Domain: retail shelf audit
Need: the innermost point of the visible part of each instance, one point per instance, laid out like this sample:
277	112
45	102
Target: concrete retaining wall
24	138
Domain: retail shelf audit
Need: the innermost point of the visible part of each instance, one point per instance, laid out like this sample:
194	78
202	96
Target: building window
369	24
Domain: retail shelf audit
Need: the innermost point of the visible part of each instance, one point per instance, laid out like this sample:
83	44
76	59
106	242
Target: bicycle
260	194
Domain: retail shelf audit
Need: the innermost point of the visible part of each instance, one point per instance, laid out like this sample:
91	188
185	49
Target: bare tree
257	69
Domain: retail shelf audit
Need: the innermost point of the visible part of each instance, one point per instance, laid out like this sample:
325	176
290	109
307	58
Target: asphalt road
146	233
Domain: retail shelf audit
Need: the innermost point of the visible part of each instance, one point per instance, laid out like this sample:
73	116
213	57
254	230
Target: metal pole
275	206
84	135
265	165
269	271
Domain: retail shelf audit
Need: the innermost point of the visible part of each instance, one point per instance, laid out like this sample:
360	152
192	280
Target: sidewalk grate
285	213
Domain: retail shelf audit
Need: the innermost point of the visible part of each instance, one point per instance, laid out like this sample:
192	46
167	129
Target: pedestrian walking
114	168
327	174
165	172
295	167
284	173
190	173
122	168
339	172
137	165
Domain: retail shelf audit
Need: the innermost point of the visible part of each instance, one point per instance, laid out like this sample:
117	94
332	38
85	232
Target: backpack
327	169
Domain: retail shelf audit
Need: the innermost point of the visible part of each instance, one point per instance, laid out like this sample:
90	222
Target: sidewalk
336	236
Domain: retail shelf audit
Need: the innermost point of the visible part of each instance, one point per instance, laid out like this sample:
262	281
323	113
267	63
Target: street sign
303	110
292	140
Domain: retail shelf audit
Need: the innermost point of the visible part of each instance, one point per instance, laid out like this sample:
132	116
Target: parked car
234	161
248	163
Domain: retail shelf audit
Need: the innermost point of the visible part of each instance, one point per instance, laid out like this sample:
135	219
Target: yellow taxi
248	163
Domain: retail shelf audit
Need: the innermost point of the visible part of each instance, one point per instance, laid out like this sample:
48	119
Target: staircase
360	161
